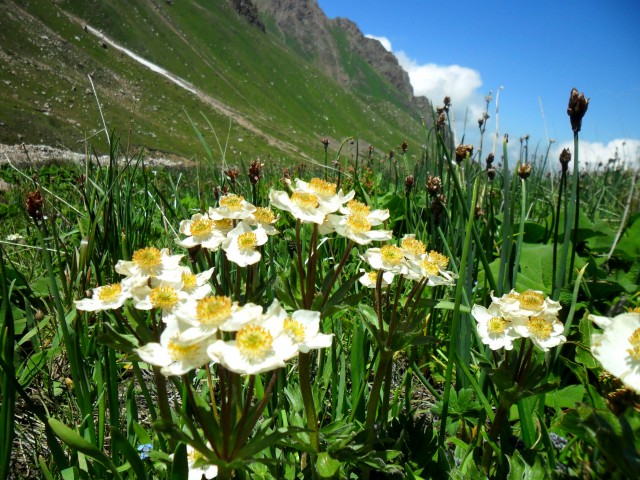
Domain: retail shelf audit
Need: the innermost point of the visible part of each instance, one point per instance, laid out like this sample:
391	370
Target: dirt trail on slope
204	97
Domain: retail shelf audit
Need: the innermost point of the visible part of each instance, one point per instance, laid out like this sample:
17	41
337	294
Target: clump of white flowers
617	348
529	314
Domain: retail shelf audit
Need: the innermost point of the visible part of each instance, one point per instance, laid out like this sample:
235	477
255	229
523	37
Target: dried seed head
491	173
578	106
490	158
34	205
434	185
255	171
404	146
447	102
524	171
409	182
391	154
370	151
463	151
325	142
232	174
565	158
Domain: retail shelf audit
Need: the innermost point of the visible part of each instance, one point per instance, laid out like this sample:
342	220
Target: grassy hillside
276	101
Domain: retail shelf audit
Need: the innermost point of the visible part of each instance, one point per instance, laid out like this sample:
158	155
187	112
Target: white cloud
627	150
383	40
460	83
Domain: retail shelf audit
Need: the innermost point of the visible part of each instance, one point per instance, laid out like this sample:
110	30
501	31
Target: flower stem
304	373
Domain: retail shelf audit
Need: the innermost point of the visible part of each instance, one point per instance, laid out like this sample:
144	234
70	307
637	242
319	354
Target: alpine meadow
235	244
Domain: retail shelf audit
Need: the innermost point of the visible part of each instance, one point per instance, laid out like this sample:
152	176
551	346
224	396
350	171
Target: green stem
569	222
304	373
374	395
523	214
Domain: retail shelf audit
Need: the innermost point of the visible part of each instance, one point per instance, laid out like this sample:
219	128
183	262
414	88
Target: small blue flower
144	449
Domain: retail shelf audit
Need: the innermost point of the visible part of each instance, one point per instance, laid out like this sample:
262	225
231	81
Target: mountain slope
241	77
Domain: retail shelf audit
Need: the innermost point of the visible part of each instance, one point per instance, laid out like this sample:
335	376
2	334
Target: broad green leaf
327	466
74	440
567	397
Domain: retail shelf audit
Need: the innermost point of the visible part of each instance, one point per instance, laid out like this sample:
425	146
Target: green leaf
567	397
130	453
79	443
180	468
447	305
327	466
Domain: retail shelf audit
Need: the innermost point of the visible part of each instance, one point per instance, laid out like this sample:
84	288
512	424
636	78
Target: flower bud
578	106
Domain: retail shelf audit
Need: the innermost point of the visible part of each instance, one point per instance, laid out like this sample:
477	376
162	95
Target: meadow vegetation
437	311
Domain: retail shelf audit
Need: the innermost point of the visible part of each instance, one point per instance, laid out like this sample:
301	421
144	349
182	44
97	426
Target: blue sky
536	50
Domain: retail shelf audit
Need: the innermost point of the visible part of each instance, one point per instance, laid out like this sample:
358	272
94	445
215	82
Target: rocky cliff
336	45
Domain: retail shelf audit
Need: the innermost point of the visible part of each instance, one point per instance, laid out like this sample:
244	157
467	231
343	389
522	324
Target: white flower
303	206
528	303
494	329
265	218
389	258
370	279
325	192
299	332
414	249
106	297
242	242
15	237
617	348
200	319
251	352
150	262
175	357
424	267
545	331
164	297
196	473
233	207
357	227
202	231
196	285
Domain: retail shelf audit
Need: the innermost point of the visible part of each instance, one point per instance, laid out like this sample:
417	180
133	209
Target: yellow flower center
634	340
223	225
373	276
496	325
322	188
201	227
413	246
429	267
295	329
213	310
439	259
109	293
264	215
232	202
635	310
358	208
163	297
358	223
193	456
247	241
188	281
305	200
539	327
254	342
147	257
179	352
531	300
391	254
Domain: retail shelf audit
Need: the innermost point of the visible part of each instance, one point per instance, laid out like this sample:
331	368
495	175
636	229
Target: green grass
205	43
